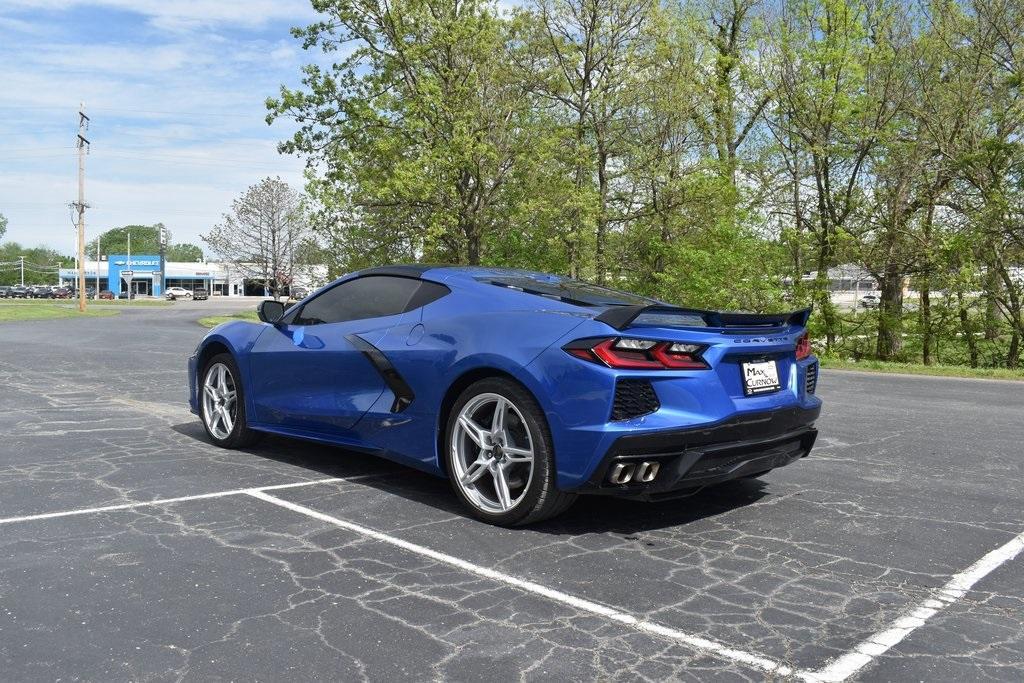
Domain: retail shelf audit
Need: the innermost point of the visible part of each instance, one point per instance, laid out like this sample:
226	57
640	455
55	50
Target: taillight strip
640	354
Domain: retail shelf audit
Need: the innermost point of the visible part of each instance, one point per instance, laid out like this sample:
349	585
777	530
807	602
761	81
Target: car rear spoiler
621	317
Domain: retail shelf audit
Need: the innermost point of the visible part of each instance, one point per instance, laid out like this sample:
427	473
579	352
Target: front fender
237	338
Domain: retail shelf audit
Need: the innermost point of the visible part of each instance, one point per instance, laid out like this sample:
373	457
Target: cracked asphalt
912	481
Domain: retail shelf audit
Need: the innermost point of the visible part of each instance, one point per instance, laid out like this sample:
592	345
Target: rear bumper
692	458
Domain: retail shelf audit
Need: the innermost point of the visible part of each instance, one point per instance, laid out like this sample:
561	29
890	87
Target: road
131	549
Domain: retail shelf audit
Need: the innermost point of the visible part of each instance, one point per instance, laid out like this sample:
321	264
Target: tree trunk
472	233
926	322
926	287
890	318
602	217
1013	354
821	286
967	330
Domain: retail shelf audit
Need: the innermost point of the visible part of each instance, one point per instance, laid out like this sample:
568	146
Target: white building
143	271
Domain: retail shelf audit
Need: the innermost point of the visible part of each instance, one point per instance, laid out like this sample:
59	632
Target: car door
306	373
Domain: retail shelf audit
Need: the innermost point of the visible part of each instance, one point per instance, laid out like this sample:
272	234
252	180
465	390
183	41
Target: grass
12	311
214	320
921	369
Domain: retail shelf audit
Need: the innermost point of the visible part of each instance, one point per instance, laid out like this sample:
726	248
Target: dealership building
142	272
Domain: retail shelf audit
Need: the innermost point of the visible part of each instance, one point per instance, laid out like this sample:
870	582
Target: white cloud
187	14
178	126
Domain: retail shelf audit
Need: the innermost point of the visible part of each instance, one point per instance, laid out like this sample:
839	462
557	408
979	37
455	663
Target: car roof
447	271
568	291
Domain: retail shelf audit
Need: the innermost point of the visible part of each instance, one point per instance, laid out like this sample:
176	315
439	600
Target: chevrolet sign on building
148	280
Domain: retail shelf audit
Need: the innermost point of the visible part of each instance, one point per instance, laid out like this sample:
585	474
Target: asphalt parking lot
131	549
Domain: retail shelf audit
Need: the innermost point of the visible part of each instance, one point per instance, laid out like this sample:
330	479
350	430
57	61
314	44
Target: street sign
127	275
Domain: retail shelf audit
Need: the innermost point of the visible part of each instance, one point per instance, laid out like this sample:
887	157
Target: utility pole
96	294
22	258
129	280
83	146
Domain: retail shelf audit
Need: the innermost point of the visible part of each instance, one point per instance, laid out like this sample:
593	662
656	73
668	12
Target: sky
175	92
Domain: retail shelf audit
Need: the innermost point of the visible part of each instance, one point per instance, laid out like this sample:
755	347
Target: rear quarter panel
454	336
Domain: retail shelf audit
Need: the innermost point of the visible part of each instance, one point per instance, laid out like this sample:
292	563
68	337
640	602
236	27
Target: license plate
760	377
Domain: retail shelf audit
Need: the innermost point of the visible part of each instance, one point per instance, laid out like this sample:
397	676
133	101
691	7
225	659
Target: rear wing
621	317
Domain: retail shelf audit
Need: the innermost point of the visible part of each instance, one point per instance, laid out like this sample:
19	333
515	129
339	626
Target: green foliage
184	252
145	240
713	153
41	264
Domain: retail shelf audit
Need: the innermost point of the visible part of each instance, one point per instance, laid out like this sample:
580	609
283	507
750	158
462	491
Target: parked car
200	294
62	293
173	293
297	293
90	291
4	290
523	389
870	301
106	294
39	292
18	292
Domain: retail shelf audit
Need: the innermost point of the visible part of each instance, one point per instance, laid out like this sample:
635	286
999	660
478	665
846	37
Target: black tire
541	499
240	436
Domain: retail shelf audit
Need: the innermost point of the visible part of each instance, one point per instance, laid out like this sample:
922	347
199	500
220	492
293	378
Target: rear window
568	290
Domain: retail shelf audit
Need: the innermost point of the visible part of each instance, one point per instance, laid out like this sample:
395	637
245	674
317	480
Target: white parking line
836	671
180	499
881	642
582	604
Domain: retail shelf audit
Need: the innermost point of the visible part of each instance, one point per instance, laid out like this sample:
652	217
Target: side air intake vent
633	398
811	382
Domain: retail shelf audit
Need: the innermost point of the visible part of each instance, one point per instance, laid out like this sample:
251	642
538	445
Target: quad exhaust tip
625	472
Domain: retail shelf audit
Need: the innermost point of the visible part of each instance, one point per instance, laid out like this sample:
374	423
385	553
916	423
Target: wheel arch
455	389
212	348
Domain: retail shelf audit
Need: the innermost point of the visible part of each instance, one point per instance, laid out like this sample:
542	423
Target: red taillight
803	346
639	354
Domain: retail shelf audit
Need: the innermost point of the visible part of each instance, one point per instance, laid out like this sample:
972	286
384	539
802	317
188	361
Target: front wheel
500	457
222	404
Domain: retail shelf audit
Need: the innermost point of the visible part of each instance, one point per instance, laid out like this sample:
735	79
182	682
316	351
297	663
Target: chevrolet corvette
525	390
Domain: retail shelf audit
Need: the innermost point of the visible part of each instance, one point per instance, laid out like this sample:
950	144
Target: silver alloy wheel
220	409
493	464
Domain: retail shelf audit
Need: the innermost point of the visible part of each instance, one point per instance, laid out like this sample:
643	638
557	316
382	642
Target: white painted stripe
881	642
180	499
582	604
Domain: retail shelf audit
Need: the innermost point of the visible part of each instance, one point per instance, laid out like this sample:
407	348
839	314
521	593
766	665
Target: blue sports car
523	389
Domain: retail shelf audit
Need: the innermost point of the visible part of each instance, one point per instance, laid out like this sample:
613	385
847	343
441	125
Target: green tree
184	252
41	264
835	84
145	240
416	131
3	226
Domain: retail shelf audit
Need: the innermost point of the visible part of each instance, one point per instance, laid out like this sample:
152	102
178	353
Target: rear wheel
222	404
500	457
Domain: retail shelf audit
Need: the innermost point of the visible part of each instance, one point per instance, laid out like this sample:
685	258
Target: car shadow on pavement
590	514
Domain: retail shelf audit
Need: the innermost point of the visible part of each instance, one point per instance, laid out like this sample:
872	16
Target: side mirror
270	311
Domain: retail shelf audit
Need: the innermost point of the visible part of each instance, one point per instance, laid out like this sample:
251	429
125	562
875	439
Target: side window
428	292
373	296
